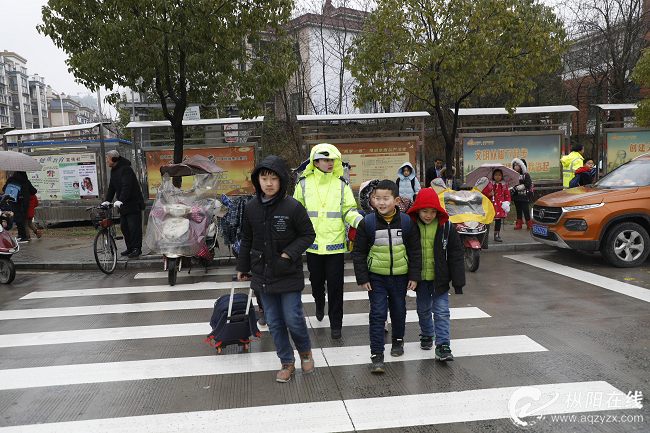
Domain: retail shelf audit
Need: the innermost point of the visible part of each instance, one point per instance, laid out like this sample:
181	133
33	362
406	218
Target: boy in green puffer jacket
442	263
387	261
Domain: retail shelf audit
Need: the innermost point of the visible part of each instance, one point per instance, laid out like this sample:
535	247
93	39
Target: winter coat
280	225
524	179
570	163
21	206
365	190
388	255
586	175
329	202
33	203
408	186
501	194
124	185
427	198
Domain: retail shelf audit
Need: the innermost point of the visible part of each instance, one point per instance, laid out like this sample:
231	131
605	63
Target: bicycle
104	245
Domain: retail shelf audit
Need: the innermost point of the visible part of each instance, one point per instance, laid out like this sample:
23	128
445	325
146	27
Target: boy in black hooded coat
276	232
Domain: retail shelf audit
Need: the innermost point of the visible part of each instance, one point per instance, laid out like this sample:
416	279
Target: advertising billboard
623	146
69	176
376	160
541	152
238	161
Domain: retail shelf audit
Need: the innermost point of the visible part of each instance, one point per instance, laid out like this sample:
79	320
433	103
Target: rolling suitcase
233	321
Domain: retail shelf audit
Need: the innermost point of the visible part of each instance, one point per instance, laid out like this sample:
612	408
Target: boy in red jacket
29	218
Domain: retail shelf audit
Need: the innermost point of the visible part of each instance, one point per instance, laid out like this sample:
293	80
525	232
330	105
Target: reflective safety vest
330	204
570	163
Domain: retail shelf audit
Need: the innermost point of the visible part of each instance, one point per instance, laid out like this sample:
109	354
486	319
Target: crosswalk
61	376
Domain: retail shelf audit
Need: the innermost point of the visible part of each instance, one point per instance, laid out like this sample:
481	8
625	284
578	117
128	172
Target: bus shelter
538	135
234	144
74	174
375	145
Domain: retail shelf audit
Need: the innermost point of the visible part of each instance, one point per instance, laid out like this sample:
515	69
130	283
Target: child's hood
277	165
400	171
427	198
333	154
521	164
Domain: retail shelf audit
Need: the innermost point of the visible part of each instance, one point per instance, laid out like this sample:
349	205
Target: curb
156	261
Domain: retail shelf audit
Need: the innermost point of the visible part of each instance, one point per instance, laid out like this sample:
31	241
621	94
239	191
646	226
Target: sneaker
39	234
426	342
377	362
443	352
22	240
336	334
497	237
135	253
284	375
398	347
125	252
306	362
262	320
320	314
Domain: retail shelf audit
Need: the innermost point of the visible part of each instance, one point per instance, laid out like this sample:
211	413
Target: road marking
348	415
184	329
242	363
34	313
48	294
585	277
200	273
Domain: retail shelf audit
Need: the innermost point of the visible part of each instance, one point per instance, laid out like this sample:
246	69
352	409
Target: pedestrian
445	178
433	171
407	184
19	188
329	201
276	230
366	196
572	162
124	185
521	193
387	262
29	221
442	263
497	191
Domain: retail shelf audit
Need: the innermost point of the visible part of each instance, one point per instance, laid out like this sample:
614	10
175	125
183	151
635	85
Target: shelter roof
371	116
54	129
518	110
200	122
616	106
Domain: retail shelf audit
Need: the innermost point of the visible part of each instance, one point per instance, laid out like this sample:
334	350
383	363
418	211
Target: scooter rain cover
179	218
463	206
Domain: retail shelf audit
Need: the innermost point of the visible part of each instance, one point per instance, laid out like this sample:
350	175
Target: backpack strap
406	227
371	228
413	184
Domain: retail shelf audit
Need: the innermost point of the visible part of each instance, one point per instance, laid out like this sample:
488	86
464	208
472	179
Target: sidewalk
65	254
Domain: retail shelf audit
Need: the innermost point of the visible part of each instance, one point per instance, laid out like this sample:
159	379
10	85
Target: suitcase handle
232	298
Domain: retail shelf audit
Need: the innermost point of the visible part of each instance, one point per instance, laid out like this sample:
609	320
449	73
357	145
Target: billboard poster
238	161
66	176
376	160
623	146
541	152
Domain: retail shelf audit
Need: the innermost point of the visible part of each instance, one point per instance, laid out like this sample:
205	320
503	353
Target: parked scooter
471	212
8	245
182	223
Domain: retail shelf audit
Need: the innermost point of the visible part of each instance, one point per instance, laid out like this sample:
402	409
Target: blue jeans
283	311
427	303
388	293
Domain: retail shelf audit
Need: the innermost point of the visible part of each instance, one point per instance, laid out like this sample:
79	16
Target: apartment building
38	96
20	106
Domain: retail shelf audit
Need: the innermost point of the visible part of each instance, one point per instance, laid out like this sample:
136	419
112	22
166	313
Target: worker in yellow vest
329	201
572	162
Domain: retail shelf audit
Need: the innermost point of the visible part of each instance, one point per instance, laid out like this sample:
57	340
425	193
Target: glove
505	206
117	204
352	233
521	187
106	203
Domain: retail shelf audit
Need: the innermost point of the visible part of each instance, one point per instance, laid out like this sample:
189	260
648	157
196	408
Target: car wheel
626	245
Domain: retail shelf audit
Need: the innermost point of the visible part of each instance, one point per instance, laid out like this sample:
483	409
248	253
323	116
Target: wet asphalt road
522	322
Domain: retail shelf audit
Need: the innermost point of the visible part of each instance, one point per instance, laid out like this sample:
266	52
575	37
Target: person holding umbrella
19	189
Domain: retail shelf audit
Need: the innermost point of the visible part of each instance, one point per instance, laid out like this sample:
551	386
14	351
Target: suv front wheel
626	245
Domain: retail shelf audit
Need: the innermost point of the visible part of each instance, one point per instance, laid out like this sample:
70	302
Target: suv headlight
582	207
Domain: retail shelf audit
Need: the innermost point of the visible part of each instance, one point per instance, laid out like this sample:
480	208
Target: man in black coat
124	184
276	232
21	205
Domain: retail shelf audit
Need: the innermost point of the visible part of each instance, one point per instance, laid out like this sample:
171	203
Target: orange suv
612	216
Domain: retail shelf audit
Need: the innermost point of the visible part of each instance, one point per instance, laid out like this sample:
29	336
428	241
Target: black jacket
449	269
522	196
125	184
280	225
21	206
362	249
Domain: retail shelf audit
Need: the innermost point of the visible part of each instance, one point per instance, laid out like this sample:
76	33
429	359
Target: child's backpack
371	227
233	320
412	183
13	191
575	182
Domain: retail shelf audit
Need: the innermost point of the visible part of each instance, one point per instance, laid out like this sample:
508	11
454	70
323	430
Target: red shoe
518	225
529	224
